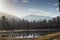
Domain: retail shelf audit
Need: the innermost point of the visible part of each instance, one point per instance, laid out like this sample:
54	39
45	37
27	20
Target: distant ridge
36	17
29	17
9	16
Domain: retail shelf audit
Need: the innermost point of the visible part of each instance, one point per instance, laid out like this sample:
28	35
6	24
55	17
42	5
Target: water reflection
20	34
26	34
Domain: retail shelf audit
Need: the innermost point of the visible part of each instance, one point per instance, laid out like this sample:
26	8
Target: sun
1	5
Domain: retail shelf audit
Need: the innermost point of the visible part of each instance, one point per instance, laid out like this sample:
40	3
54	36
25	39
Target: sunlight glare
1	5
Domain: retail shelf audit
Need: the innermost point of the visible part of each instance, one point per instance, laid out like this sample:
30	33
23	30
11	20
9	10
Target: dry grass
18	39
54	36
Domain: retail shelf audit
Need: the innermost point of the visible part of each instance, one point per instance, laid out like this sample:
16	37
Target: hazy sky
21	8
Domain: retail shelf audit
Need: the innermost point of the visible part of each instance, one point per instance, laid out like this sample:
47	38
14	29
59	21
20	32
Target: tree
3	22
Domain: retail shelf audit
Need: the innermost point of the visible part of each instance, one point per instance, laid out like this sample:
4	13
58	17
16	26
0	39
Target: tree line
11	24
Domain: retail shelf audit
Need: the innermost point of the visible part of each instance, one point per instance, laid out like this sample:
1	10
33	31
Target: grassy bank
54	36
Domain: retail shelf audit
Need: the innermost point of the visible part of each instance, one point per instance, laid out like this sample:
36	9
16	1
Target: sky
21	8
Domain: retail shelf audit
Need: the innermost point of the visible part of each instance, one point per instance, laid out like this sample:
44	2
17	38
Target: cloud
25	1
42	12
55	4
57	9
51	8
15	1
17	13
38	11
48	3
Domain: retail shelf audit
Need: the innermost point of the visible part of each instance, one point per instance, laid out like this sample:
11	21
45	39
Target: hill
36	17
